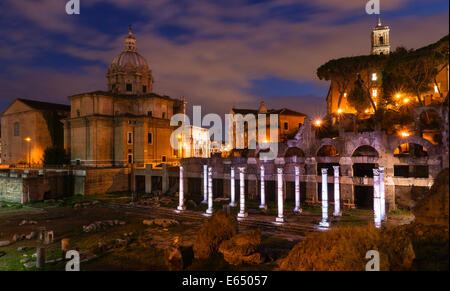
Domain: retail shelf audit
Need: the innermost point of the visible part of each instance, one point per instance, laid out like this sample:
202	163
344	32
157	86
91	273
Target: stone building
372	77
28	128
289	122
380	39
128	124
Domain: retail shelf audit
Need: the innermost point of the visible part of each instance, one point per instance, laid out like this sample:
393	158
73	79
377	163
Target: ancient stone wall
108	180
11	188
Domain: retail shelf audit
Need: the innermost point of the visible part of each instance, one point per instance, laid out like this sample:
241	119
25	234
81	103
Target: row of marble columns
379	193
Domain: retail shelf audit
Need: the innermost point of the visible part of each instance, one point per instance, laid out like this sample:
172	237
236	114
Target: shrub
344	249
215	230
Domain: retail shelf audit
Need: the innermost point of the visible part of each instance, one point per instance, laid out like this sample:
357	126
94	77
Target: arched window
16	129
381	40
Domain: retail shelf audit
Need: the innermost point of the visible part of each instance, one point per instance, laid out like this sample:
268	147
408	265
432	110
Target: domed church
127	124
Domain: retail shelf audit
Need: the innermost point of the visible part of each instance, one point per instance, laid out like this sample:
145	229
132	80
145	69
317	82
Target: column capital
280	170
381	170
324	171
336	168
242	169
376	172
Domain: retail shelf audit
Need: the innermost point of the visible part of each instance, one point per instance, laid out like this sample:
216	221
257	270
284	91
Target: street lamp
28	140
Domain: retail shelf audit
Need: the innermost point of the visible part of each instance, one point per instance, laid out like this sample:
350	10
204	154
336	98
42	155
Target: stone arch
327	150
417	150
415	140
365	151
294	152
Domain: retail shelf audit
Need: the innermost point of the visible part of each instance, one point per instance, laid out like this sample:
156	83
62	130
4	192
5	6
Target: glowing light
405	134
339	111
345	95
398	96
318	122
374	77
28	139
367	111
406	101
436	89
374	92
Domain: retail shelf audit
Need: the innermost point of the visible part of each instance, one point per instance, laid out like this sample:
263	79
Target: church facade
128	124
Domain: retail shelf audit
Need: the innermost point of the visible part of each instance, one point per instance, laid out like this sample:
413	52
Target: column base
262	206
280	219
298	210
181	208
204	202
324	224
209	212
242	215
337	214
232	204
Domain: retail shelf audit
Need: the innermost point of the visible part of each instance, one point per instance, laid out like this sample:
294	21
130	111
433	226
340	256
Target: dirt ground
146	249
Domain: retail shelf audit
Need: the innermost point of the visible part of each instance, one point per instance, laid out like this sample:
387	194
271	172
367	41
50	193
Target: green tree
55	156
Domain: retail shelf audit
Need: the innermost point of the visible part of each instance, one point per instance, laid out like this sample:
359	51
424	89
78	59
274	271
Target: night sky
217	53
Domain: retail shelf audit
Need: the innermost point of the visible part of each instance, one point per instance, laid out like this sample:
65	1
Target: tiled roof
39	105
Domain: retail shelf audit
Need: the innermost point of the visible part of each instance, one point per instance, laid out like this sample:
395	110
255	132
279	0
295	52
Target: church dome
129	61
129	72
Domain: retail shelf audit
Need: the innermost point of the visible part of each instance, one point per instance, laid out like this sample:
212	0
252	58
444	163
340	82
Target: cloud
228	45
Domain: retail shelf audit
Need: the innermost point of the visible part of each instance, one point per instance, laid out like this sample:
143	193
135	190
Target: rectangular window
150	114
401	171
150	138
286	126
164	159
374	77
130	138
129	87
374	92
163	115
144	89
16	129
130	159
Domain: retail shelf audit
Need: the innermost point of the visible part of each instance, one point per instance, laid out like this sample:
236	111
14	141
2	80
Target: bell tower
380	39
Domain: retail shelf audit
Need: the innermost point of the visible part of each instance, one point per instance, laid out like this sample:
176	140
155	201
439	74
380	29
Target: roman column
376	198
280	217
382	195
325	222
263	189
233	189
242	213
205	184
337	192
297	190
181	206
210	209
